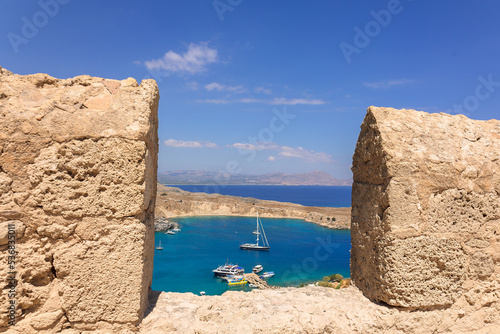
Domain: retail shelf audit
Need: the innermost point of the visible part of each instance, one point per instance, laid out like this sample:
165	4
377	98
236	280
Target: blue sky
268	86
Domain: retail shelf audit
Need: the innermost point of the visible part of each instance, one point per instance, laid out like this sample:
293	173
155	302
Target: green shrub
325	284
326	279
336	277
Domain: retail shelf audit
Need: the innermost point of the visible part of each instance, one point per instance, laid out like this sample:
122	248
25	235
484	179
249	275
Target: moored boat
236	281
258	231
228	269
159	247
169	232
267	274
257	269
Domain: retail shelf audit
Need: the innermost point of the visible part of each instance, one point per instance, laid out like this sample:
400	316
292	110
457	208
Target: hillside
174	202
315	178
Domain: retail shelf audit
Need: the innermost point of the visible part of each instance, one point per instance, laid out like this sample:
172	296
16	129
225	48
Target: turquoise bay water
300	252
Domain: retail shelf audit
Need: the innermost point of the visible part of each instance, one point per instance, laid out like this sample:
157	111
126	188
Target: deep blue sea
331	196
300	252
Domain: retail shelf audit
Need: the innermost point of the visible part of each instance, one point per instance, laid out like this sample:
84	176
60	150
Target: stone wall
78	164
426	210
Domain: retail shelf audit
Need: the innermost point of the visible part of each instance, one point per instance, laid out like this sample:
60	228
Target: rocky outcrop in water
162	224
77	190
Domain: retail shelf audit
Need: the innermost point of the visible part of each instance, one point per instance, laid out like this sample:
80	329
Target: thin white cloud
248	100
193	61
286	101
306	155
286	152
258	146
193	85
387	83
263	90
275	101
189	144
213	101
223	88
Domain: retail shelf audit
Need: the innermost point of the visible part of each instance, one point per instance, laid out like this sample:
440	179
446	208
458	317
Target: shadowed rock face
78	171
425	208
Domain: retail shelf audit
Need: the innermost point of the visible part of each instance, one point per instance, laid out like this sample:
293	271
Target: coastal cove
175	202
300	252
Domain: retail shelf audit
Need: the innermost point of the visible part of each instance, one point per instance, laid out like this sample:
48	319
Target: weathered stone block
78	164
425	199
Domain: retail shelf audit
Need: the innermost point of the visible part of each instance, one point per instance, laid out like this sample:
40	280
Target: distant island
193	177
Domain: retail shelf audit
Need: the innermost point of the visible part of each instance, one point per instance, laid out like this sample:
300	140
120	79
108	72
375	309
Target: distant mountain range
314	178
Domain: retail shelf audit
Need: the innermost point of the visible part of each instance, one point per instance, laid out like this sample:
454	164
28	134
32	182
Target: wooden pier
260	283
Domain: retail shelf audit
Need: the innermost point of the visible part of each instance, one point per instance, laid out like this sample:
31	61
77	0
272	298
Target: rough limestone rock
426	210
304	310
78	171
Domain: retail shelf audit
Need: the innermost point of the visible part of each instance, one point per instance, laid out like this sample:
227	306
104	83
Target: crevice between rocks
52	268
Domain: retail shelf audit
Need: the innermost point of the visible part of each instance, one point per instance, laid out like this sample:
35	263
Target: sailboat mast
264	235
258	232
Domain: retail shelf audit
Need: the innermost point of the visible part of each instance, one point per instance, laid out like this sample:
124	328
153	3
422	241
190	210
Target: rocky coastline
162	224
173	202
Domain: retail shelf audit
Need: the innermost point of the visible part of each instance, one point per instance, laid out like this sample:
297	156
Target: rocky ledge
308	310
174	202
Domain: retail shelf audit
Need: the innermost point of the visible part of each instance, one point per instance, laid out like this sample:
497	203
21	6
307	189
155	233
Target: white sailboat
159	247
259	231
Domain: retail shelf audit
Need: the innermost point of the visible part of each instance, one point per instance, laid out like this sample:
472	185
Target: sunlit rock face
426	209
78	164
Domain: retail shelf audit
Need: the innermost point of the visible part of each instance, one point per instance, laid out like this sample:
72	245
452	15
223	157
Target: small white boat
234	277
159	247
169	232
202	293
267	274
257	269
256	232
251	285
176	229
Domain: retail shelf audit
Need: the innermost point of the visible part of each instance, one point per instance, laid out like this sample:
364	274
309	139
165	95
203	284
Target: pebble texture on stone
78	164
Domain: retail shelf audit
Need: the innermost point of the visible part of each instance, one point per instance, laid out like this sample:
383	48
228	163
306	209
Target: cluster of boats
260	244
235	275
172	231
